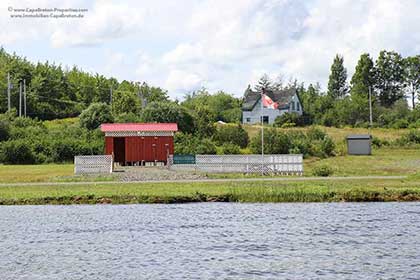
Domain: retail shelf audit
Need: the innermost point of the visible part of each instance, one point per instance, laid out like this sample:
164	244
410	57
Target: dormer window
293	105
297	106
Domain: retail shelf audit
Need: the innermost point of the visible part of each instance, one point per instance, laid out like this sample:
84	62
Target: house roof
109	127
282	97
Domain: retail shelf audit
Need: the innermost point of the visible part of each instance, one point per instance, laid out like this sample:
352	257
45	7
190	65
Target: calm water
211	241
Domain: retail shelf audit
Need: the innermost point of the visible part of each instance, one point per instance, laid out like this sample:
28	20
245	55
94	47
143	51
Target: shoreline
368	190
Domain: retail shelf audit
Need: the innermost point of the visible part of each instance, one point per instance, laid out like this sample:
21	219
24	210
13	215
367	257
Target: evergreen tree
389	77
363	76
264	83
337	86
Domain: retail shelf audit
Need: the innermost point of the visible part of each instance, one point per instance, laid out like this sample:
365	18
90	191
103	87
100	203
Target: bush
275	142
206	147
401	123
377	142
322	170
289	120
17	152
314	143
190	144
412	137
4	130
95	115
230	149
236	135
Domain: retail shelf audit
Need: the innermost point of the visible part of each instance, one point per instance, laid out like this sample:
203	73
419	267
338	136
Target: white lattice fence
282	164
93	164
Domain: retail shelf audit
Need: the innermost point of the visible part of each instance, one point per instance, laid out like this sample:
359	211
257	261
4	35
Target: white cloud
179	81
105	21
184	45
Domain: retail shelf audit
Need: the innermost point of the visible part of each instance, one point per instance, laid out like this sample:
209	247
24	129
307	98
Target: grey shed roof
282	97
358	136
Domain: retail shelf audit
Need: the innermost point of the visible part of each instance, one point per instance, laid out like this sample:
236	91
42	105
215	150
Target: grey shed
359	144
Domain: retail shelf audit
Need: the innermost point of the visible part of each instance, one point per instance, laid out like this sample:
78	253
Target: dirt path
279	179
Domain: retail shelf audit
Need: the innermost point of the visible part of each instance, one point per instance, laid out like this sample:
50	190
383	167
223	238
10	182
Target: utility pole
262	132
20	98
370	109
110	95
24	97
8	92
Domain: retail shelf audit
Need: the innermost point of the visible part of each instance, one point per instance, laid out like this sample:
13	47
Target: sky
186	45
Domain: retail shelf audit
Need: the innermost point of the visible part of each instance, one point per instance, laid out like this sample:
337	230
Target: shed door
119	149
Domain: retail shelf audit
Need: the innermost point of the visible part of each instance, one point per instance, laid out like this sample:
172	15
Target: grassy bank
384	161
266	191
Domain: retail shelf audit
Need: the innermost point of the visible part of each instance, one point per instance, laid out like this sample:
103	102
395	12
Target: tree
203	122
363	77
389	77
264	83
412	76
151	94
95	115
169	112
125	102
337	86
223	106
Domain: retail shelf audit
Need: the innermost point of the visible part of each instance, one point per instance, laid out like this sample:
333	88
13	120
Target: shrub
327	146
322	170
206	147
289	120
4	130
95	115
411	138
190	144
231	134
314	143
17	152
315	133
230	149
401	123
275	142
377	142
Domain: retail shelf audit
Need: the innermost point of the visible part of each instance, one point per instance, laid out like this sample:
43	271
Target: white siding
251	117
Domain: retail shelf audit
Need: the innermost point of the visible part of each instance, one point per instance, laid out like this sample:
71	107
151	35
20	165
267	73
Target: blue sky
221	45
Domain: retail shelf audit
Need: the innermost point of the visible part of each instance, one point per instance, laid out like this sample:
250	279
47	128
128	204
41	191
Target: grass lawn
257	191
339	134
34	173
384	161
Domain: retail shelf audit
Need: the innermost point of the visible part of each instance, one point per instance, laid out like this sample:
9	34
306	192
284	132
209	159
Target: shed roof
109	127
358	136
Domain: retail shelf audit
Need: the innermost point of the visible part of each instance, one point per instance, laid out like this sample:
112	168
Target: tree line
55	92
390	80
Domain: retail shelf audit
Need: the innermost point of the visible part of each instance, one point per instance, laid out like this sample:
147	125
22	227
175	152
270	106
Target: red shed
138	143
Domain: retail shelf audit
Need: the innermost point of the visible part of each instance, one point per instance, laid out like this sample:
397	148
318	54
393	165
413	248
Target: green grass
45	173
34	173
266	191
339	134
384	161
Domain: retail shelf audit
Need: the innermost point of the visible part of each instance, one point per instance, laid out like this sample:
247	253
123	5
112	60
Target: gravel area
136	173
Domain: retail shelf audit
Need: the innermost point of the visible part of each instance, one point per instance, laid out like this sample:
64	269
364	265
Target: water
211	241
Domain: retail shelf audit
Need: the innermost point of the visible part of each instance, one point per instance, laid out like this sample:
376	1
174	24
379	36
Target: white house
287	99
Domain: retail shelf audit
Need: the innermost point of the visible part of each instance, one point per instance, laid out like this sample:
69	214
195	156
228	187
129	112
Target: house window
248	119
297	106
265	119
293	106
